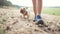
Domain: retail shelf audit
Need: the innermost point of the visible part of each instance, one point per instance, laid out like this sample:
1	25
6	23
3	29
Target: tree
5	3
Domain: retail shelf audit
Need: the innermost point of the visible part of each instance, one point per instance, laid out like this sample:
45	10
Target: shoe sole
41	23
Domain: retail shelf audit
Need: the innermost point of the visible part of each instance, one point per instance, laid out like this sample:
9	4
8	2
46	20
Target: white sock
38	14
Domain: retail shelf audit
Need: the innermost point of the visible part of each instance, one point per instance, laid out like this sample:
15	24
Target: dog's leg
28	18
24	17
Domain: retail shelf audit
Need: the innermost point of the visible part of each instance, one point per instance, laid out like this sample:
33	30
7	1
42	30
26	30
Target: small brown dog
24	13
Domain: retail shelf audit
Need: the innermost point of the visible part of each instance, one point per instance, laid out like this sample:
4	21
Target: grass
1	31
51	11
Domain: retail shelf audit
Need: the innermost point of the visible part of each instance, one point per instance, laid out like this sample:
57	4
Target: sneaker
37	18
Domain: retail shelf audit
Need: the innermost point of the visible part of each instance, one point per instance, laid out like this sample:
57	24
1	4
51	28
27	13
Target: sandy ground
15	24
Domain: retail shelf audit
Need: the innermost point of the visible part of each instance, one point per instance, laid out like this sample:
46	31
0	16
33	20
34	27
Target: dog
24	13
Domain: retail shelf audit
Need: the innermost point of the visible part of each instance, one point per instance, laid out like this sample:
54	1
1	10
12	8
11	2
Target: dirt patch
13	23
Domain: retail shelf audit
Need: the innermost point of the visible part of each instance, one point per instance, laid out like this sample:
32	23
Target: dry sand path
17	25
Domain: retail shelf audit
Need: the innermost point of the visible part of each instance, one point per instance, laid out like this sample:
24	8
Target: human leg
37	5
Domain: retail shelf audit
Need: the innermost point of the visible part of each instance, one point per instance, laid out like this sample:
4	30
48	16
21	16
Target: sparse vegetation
51	11
1	31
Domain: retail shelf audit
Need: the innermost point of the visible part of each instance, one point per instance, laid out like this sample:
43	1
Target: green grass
51	11
1	30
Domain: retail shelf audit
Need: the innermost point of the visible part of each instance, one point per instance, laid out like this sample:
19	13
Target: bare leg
37	5
34	6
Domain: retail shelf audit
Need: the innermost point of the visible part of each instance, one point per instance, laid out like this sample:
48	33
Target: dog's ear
21	11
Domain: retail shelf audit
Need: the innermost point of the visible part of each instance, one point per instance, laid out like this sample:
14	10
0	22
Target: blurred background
48	5
11	8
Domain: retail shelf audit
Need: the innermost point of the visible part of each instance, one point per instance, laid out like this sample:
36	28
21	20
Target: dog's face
24	13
